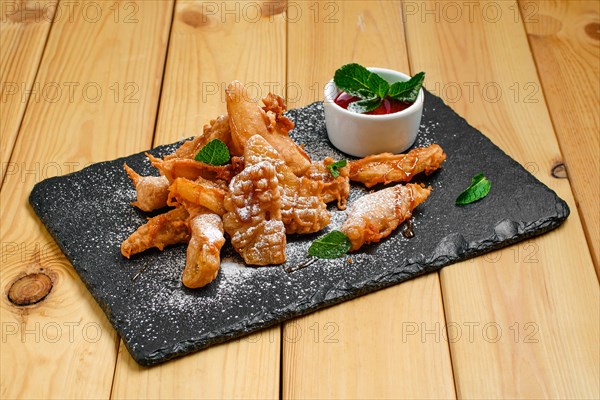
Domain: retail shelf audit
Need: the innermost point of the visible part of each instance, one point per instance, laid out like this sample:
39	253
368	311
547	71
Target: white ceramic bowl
360	135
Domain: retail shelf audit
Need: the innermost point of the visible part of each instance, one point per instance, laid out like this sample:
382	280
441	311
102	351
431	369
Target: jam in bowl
390	128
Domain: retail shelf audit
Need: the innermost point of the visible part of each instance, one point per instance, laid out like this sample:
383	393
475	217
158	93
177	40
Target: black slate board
89	215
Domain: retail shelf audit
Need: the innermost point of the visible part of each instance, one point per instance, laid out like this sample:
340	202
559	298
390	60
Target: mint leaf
333	245
358	81
214	152
378	85
365	94
409	90
479	188
334	168
365	105
353	79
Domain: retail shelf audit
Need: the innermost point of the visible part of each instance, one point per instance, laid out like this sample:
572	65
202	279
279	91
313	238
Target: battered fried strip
274	106
217	129
246	119
200	193
253	218
302	209
152	191
191	169
203	256
160	231
386	168
376	215
332	189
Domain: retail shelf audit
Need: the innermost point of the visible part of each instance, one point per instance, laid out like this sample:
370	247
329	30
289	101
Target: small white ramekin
360	135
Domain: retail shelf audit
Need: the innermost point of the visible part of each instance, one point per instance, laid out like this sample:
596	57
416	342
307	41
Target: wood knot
272	8
30	289
559	171
194	17
593	30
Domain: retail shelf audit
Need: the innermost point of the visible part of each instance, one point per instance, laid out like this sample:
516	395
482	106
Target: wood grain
542	294
370	347
211	45
247	368
386	345
570	32
24	28
64	347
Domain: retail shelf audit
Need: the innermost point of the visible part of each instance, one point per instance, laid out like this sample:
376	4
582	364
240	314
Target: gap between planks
560	30
119	340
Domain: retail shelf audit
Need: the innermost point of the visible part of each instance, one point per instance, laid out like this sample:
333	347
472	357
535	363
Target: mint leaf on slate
333	245
334	168
214	152
479	188
409	90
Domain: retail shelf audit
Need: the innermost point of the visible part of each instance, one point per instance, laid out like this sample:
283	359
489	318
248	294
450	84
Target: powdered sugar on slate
89	215
156	315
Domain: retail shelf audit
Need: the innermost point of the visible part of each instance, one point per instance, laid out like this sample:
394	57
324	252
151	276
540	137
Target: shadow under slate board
89	215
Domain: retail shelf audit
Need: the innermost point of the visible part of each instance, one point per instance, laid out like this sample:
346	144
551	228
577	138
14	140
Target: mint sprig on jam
333	245
409	90
214	152
372	89
479	188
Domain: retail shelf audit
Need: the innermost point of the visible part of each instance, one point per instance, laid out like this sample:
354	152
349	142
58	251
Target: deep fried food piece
274	106
376	215
201	192
302	209
203	257
386	168
160	231
258	149
152	191
217	129
174	168
253	218
246	119
332	189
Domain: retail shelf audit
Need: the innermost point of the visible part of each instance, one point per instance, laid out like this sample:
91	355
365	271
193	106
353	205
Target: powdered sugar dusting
159	318
155	312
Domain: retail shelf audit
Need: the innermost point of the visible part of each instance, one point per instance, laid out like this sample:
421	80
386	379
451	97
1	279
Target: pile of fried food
269	188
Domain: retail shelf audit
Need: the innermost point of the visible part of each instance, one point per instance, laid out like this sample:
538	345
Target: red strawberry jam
387	106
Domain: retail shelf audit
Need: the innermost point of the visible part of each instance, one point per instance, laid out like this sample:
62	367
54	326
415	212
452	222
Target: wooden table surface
86	81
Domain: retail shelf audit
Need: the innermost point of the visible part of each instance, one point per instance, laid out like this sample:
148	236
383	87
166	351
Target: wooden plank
386	345
211	46
569	32
370	347
23	32
64	347
244	369
543	294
